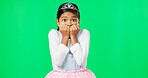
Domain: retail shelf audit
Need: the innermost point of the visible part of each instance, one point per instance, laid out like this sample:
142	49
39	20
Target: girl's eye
64	19
74	19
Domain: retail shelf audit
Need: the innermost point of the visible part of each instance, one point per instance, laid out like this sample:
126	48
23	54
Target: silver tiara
68	6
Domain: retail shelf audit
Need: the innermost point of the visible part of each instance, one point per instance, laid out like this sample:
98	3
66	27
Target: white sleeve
80	50
58	51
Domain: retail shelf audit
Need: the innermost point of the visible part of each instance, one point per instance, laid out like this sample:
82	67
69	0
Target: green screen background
118	37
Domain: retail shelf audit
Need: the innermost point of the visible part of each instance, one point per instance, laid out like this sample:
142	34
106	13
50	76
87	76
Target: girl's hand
74	30
64	29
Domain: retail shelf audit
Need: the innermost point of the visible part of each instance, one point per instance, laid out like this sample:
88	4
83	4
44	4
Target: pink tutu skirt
82	73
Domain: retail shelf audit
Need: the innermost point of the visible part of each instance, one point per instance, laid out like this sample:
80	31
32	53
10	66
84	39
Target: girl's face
68	18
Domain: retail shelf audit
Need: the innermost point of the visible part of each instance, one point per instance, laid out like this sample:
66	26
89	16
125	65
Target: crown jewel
69	6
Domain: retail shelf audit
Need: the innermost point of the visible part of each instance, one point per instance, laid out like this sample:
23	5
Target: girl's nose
69	23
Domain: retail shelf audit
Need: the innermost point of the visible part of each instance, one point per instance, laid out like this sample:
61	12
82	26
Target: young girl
69	46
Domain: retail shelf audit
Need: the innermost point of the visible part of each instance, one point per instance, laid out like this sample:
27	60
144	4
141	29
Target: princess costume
71	61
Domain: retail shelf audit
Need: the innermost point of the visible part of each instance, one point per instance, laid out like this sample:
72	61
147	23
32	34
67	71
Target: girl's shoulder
85	31
53	32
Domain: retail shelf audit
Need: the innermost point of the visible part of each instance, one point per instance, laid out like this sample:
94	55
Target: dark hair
61	11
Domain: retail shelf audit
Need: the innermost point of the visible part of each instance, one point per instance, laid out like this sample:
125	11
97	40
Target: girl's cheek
61	23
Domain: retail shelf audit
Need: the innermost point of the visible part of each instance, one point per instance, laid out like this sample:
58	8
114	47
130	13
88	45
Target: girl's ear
57	22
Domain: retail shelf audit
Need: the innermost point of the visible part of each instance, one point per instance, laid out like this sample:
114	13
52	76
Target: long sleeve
58	51
80	50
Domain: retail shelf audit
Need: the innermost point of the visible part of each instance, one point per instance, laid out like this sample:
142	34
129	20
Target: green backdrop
118	37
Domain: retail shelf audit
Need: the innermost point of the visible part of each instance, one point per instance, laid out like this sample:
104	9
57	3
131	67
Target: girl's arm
80	49
58	51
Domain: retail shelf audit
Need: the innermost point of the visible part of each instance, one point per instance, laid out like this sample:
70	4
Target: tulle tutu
82	73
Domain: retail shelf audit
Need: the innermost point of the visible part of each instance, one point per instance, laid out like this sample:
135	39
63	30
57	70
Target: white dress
71	61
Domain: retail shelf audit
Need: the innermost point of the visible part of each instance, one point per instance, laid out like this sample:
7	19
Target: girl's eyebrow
64	17
71	17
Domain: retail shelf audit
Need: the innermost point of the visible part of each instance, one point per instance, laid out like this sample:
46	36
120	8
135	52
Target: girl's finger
75	27
78	27
72	28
